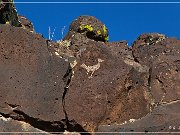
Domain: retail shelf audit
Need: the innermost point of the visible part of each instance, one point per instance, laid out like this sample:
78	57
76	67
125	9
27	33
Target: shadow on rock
47	126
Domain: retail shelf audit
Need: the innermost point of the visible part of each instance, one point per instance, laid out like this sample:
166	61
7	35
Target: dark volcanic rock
8	13
147	47
165	79
83	83
98	92
112	83
156	58
90	27
26	24
32	81
13	127
163	118
162	55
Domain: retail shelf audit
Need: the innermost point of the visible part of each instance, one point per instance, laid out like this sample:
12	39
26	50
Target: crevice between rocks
55	126
135	58
161	84
70	125
149	79
163	90
67	80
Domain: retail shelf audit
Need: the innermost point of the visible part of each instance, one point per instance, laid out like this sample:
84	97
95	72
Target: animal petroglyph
93	68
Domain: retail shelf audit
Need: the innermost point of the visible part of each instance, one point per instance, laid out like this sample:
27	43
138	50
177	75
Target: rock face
12	127
25	23
8	13
26	67
164	118
90	27
32	80
86	84
99	90
162	57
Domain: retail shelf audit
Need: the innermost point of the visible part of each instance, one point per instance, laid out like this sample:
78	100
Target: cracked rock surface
164	118
84	84
163	58
111	92
12	127
32	80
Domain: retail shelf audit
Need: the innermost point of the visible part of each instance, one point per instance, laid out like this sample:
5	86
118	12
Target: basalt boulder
90	27
32	81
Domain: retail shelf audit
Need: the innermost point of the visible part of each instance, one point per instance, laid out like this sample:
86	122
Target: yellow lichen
86	27
105	33
104	29
106	38
7	22
99	32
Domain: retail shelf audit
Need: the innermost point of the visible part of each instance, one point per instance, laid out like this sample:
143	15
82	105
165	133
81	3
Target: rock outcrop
86	84
164	119
32	80
8	13
90	27
25	23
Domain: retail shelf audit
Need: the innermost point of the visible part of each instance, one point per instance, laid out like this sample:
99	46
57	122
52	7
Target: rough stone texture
104	97
32	80
8	13
164	118
90	27
162	56
13	127
147	47
83	83
26	24
10	126
159	55
165	79
30	73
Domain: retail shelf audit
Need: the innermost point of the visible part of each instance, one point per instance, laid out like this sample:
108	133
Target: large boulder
113	83
162	55
90	27
99	91
159	60
163	119
32	81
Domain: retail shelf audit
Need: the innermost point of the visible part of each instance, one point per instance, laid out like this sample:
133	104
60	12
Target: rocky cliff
84	84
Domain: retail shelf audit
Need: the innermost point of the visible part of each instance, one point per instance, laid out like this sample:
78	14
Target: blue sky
124	21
